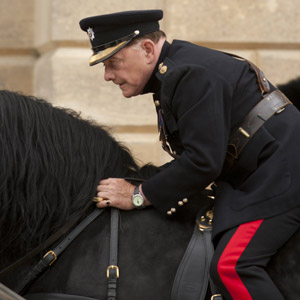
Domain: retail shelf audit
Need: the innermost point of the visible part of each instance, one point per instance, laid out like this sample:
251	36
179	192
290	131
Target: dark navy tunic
203	94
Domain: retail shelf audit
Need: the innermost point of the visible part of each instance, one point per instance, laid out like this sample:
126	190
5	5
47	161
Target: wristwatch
137	199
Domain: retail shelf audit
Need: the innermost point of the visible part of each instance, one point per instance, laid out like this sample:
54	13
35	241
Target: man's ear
148	47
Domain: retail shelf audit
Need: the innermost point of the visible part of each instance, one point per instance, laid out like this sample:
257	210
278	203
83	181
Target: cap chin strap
129	37
105	51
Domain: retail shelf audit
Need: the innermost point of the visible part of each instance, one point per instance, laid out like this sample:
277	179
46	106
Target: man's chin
127	94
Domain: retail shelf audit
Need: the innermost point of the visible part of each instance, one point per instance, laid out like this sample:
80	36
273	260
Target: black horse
51	161
292	90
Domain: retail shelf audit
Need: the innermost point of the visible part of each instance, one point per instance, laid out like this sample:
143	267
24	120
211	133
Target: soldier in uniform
223	122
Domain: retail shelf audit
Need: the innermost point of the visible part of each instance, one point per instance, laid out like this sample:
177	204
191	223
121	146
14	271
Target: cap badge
90	33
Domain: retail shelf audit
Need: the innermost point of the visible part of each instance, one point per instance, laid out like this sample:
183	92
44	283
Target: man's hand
115	192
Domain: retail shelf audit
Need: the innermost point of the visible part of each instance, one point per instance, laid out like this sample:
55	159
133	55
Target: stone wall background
43	52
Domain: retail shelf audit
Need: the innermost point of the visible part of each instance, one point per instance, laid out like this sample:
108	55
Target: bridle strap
113	272
51	256
113	269
52	239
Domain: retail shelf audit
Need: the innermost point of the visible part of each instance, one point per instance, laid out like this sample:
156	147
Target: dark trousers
242	253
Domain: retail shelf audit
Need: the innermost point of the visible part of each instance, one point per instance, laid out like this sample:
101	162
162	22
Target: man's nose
108	75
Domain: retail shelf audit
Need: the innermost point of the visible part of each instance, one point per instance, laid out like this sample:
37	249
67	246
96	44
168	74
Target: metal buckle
112	267
205	222
52	253
215	296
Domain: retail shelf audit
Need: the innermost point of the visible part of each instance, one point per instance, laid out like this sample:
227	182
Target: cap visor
106	53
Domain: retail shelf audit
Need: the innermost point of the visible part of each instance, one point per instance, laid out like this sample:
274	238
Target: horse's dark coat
53	161
292	90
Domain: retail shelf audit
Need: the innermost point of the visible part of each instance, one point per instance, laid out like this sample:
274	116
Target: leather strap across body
271	104
261	78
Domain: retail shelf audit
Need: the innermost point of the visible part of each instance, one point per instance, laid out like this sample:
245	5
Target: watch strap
136	190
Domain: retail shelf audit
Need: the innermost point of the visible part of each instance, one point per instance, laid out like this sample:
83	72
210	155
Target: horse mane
51	162
292	90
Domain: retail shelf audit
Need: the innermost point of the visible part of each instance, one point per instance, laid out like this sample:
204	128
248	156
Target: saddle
195	264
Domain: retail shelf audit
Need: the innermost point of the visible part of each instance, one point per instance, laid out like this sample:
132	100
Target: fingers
104	204
103	188
105	181
97	199
108	184
110	181
115	192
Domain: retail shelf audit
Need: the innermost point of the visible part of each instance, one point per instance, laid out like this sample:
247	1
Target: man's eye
115	65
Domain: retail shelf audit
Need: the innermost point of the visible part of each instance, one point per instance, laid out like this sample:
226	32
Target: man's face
129	69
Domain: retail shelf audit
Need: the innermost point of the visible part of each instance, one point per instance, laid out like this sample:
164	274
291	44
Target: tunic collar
153	85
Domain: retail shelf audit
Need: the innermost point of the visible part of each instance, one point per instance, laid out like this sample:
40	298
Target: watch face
137	200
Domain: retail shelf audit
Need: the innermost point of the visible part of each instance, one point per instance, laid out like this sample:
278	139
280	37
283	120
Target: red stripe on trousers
230	256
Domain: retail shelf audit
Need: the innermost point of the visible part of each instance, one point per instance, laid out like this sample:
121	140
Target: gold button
157	103
180	203
163	69
169	213
173	210
185	200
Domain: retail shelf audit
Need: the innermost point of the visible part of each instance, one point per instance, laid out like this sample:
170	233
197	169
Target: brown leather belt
273	103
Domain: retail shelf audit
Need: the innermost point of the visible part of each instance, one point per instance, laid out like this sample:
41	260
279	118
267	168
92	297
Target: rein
52	239
51	256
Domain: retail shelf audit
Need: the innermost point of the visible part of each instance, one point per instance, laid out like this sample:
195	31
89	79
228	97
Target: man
203	99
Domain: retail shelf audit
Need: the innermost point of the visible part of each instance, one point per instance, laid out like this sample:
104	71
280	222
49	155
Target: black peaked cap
111	32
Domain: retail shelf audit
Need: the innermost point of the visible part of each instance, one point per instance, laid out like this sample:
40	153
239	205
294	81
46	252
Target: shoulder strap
262	80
